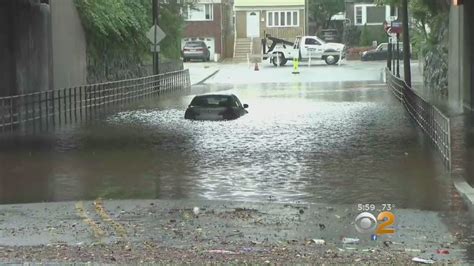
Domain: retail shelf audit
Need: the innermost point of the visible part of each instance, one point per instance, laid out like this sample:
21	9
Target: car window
237	102
311	41
194	44
383	47
213	101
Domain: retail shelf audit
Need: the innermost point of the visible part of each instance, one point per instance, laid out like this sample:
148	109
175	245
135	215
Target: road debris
348	240
196	211
319	241
222	251
442	251
421	260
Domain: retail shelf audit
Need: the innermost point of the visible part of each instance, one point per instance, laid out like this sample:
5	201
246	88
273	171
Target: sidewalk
244	73
462	134
200	71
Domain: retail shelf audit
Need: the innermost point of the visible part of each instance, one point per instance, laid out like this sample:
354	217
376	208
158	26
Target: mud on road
212	231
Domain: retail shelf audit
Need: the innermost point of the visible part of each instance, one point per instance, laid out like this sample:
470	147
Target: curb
466	191
206	78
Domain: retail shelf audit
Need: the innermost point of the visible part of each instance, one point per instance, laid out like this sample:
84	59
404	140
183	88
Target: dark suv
196	50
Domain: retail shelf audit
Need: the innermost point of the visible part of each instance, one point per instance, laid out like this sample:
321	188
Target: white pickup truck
304	48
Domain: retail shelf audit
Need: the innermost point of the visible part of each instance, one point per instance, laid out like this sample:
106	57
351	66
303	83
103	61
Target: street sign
397	27
160	35
155	48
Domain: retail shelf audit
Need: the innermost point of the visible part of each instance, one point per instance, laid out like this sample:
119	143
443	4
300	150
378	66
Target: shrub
351	36
365	39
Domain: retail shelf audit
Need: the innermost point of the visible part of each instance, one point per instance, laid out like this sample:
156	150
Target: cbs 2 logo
367	223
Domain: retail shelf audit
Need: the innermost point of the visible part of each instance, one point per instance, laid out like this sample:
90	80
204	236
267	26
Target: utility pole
398	55
406	44
306	15
156	55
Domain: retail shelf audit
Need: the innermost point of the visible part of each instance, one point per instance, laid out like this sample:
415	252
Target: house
210	21
369	19
283	19
280	18
367	13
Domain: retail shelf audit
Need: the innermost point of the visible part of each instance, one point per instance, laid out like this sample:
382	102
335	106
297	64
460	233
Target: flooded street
340	143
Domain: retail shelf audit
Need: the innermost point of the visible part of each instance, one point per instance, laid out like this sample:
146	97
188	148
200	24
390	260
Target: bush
351	36
365	39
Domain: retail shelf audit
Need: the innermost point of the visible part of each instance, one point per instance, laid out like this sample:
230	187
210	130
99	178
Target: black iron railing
433	122
43	110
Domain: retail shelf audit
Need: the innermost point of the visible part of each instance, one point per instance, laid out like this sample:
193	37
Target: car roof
215	94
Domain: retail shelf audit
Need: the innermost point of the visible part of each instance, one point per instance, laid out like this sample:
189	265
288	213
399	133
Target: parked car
196	50
381	52
215	107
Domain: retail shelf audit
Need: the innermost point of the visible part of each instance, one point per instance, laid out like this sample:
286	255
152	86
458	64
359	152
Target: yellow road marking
98	232
99	208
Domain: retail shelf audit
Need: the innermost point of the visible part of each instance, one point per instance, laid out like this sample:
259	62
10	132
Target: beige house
280	18
285	19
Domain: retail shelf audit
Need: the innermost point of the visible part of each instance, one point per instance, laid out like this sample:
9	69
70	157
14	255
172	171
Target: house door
253	24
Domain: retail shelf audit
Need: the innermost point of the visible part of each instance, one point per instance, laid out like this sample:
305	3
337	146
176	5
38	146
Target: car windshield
194	44
213	101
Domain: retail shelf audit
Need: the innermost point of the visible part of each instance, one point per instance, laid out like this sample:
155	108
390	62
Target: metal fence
433	122
43	110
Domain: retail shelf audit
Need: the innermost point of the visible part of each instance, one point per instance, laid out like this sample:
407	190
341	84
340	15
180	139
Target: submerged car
215	107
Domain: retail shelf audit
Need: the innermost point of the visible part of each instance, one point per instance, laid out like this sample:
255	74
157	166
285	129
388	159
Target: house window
200	12
358	15
282	18
208	11
371	14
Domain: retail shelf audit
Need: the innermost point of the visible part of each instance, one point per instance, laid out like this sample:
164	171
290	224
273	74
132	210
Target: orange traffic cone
256	67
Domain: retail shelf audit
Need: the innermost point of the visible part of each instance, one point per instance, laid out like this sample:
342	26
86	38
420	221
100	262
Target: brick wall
207	28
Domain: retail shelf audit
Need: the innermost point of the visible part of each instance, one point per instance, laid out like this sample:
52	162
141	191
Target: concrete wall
25	45
69	45
7	50
32	46
460	68
469	56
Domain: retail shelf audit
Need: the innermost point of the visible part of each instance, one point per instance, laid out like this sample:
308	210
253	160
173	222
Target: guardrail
43	110
433	122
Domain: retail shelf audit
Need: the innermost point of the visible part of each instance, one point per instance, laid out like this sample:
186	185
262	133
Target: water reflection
338	143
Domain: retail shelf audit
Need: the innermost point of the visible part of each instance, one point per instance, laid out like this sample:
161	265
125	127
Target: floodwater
345	143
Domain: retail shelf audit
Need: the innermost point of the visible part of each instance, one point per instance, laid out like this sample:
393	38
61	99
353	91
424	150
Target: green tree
117	46
365	38
321	11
